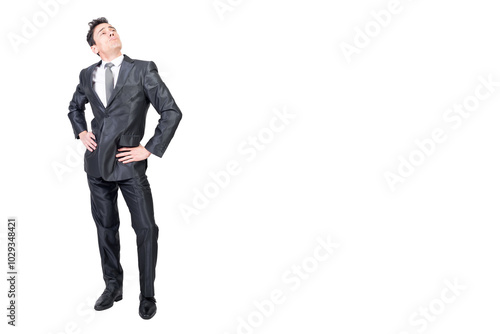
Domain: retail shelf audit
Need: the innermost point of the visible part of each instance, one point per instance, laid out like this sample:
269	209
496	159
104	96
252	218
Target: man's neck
111	57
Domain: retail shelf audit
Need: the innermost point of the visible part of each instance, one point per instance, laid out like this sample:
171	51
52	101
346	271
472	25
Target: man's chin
115	45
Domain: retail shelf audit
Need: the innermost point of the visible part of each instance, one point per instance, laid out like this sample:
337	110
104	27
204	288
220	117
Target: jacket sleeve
170	115
77	109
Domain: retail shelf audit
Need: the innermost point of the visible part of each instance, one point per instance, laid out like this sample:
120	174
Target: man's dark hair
94	23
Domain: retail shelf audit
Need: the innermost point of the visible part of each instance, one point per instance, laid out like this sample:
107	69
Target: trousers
137	194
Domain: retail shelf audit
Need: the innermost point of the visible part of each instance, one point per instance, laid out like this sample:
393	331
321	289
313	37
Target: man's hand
131	154
88	139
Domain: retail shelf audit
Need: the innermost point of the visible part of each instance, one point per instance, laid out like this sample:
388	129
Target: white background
321	177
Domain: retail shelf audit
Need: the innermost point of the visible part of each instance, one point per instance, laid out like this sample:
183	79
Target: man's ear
94	49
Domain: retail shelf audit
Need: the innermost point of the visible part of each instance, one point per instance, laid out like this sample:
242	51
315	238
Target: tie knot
109	65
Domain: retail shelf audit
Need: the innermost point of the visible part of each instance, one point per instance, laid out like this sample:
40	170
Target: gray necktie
110	81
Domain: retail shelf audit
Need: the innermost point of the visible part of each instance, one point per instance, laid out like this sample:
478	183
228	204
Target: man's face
107	40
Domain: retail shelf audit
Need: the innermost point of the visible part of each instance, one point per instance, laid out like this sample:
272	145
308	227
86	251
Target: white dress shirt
99	78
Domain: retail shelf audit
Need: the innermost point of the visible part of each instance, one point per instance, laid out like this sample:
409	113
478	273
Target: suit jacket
121	123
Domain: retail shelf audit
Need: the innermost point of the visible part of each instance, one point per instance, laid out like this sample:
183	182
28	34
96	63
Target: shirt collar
117	61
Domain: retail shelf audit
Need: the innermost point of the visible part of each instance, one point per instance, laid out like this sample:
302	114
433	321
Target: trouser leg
103	195
137	195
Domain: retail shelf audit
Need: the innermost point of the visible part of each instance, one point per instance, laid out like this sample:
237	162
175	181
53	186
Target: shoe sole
146	318
117	299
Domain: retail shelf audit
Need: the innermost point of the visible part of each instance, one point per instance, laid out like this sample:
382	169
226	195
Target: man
120	90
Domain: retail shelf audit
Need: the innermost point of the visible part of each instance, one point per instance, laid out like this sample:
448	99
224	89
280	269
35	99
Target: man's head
103	38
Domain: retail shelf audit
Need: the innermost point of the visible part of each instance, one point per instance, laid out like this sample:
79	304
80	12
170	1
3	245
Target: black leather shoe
107	299
147	307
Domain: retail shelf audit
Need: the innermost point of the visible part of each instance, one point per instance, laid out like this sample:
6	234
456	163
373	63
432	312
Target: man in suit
120	90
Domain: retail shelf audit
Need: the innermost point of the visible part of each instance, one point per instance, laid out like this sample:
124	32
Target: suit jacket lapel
125	68
93	94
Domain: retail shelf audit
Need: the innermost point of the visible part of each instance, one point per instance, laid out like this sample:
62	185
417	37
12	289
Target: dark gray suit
121	124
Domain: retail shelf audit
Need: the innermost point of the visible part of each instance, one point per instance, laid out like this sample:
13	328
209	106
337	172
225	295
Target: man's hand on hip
130	154
88	139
